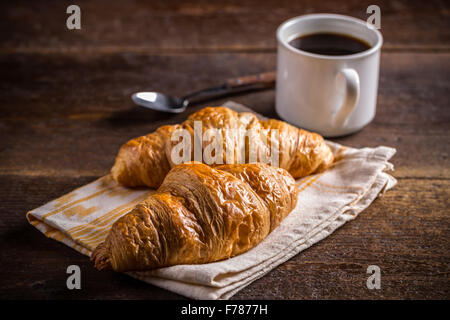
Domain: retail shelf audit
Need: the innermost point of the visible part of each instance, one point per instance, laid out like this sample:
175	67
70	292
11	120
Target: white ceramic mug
331	95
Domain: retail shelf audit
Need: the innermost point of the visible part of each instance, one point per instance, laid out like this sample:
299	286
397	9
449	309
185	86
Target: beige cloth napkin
81	219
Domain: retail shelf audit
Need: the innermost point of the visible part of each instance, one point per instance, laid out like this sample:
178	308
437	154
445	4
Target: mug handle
351	97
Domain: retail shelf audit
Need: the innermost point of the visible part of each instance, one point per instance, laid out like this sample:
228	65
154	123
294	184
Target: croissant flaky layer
145	161
199	214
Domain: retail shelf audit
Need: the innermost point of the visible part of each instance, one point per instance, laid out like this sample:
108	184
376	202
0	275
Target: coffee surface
331	44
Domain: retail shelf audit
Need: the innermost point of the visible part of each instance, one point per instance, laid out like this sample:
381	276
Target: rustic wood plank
113	26
404	232
68	115
75	148
413	87
97	85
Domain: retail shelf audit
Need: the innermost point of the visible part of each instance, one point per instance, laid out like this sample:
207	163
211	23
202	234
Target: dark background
65	110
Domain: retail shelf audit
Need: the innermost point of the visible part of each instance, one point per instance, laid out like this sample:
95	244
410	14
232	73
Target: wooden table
66	109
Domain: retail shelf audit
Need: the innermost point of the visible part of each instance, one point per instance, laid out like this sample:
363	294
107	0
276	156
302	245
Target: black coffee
332	44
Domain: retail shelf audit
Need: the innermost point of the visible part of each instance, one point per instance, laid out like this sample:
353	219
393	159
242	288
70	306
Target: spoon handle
232	86
266	79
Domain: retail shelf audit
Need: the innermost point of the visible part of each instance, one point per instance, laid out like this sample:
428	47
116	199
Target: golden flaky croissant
145	161
199	214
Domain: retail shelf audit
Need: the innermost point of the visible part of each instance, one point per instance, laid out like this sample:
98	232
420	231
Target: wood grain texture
412	86
402	232
80	107
65	110
111	26
63	147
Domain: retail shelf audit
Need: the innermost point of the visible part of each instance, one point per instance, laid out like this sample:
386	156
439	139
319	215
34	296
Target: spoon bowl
159	101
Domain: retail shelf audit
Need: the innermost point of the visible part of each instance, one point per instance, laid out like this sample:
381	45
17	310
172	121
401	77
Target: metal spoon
161	102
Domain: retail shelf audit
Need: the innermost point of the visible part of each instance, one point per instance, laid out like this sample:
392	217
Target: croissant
146	160
199	214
